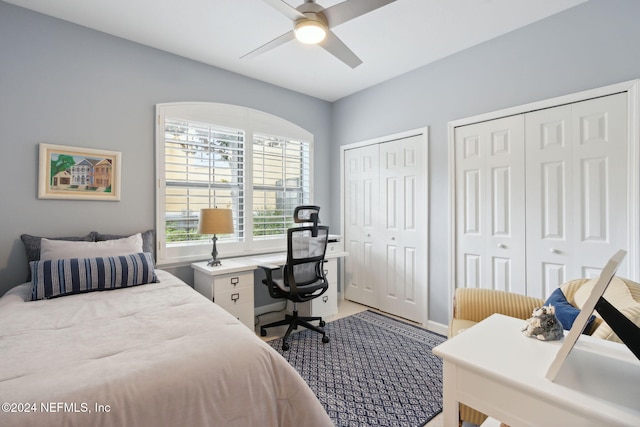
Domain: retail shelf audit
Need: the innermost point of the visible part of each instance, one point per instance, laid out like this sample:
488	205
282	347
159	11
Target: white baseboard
438	328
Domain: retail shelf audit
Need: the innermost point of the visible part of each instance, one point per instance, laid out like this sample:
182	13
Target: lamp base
214	263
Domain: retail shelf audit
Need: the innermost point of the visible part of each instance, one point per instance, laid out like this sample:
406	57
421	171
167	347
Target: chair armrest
269	267
477	304
268	270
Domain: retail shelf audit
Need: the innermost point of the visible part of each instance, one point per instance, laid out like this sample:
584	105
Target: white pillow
60	249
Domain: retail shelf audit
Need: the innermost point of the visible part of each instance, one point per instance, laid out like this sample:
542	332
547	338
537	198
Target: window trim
233	116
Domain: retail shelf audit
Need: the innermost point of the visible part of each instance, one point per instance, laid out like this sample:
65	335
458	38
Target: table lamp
215	221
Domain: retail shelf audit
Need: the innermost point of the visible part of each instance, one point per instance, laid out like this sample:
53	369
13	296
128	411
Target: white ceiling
391	41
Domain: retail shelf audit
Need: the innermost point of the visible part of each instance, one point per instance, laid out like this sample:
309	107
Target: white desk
495	369
230	285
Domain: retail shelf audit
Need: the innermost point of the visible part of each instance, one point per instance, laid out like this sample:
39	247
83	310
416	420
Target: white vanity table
495	369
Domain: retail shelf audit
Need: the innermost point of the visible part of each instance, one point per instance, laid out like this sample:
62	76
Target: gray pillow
148	238
32	245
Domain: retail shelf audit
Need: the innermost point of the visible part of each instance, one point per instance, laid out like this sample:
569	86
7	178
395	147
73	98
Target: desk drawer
244	313
233	297
233	292
333	247
230	282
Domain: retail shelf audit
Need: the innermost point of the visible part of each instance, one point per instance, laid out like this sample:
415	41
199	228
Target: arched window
225	156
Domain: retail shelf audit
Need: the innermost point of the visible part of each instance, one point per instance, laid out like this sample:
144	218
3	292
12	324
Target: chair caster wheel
285	346
322	323
325	339
263	332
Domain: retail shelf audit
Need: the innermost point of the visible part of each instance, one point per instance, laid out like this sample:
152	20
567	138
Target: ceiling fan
312	25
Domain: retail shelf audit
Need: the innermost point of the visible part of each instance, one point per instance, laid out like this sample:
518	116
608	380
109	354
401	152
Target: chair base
293	320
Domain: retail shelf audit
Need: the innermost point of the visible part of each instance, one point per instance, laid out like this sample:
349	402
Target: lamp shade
215	221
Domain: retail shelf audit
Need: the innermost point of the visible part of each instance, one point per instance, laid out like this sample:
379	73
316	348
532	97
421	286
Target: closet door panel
505	161
470	212
361	215
490	204
576	191
600	174
401	231
548	198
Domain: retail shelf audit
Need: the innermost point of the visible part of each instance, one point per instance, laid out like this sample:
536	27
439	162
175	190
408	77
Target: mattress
151	355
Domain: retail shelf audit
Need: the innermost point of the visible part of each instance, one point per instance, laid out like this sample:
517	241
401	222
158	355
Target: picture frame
581	321
78	173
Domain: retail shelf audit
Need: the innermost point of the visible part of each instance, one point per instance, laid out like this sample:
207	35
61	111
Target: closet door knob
501	246
554	251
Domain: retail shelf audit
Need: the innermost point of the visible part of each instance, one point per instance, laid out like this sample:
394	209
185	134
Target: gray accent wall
589	46
61	83
64	84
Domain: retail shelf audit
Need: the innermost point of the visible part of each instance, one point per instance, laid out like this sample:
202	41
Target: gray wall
591	45
64	84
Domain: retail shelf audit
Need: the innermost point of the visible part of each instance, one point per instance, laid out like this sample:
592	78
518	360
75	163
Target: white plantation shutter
280	180
211	155
204	167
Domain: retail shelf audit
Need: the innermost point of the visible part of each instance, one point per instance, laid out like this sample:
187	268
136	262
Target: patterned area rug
375	371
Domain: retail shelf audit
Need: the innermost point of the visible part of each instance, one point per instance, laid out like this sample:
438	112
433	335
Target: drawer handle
325	298
235	297
235	280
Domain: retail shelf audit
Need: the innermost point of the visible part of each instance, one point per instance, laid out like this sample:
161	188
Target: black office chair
303	275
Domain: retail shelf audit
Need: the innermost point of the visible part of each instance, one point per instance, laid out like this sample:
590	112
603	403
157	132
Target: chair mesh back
306	251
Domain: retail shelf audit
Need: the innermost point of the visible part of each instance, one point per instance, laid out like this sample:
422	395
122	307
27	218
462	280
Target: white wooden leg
450	405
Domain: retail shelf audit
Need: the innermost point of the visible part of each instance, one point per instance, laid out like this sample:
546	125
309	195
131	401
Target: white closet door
490	234
600	176
576	191
403	220
550	189
385	226
361	217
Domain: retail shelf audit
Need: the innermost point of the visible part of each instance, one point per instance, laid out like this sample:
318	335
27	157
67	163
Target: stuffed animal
544	325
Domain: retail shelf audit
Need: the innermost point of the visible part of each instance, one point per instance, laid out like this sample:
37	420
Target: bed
157	354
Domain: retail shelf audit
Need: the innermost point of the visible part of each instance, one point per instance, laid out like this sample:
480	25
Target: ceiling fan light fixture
308	31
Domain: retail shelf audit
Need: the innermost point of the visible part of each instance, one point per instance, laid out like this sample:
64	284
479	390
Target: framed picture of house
78	173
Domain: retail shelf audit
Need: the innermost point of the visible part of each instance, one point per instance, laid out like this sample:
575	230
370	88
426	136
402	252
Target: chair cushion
623	294
302	289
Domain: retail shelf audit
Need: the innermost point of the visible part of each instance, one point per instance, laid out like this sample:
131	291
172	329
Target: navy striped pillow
58	277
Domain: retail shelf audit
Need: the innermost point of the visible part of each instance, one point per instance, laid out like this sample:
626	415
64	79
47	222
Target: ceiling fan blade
337	48
270	45
285	9
347	10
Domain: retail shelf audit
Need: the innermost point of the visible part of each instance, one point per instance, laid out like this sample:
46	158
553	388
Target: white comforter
152	355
